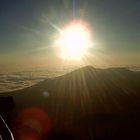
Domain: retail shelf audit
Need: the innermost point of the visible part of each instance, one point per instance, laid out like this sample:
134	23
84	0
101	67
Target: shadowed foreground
85	104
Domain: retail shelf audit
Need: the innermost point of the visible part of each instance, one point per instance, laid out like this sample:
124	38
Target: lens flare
31	124
74	41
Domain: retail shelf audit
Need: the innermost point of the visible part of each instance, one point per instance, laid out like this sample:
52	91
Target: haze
29	28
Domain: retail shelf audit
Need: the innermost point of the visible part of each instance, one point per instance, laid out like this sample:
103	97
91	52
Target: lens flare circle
74	41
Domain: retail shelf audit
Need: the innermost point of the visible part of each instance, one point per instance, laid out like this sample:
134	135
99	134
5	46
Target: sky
27	34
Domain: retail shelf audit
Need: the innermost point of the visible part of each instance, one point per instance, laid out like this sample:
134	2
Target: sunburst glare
74	41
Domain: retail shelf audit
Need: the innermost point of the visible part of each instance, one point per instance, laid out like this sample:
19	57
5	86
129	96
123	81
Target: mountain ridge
104	102
83	83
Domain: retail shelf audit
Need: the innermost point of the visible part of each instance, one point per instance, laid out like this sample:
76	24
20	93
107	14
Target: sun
74	41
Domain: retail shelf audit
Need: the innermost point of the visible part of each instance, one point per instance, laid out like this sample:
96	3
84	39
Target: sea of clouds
19	80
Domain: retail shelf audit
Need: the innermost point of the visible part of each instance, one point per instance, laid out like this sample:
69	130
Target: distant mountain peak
119	69
88	67
86	70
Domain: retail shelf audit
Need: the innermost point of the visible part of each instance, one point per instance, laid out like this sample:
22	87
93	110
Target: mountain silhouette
87	103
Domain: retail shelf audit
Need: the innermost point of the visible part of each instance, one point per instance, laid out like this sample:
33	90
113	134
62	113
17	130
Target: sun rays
73	41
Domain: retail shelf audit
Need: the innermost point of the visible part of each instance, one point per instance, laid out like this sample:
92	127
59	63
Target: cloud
20	80
23	79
